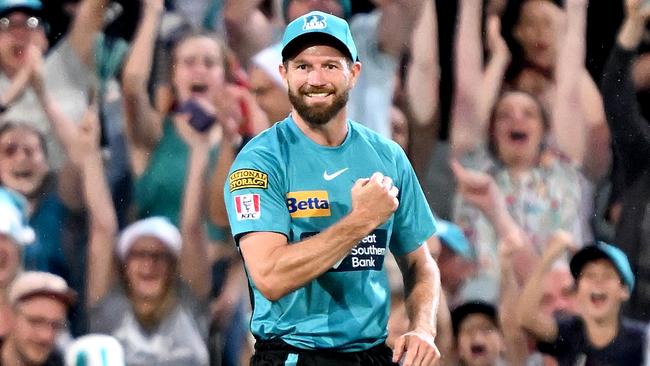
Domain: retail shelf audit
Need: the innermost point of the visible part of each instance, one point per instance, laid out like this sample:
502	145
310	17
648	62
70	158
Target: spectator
268	87
155	304
548	62
39	302
67	66
25	169
559	290
479	340
557	298
512	145
597	334
53	196
14	234
159	154
632	142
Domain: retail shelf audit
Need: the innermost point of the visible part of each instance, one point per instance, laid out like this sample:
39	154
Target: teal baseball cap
317	26
32	6
600	250
454	239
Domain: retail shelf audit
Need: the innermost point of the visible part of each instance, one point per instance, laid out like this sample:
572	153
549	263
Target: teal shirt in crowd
159	190
284	182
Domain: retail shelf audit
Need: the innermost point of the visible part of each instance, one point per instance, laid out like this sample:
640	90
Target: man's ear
625	293
355	71
283	71
283	74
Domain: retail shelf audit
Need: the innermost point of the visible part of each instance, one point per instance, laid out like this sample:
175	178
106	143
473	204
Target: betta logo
308	204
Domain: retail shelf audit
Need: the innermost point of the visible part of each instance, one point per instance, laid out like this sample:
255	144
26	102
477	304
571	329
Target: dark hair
509	21
546	123
181	38
460	313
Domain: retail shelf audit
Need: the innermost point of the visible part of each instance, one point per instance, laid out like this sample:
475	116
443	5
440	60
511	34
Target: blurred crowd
526	122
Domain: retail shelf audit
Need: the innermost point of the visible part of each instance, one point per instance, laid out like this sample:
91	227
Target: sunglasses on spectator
31	23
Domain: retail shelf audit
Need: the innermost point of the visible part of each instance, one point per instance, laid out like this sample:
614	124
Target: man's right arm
278	268
542	326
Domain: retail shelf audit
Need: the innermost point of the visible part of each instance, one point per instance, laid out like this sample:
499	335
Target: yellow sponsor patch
308	204
248	178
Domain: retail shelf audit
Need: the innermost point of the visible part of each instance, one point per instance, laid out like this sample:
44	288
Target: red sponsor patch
247	206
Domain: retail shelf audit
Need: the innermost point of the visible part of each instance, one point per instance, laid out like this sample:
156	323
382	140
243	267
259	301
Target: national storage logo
308	204
248	178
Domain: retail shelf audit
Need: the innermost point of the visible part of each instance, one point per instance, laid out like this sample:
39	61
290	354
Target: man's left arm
422	295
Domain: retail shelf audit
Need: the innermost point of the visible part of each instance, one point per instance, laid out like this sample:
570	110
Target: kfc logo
247	206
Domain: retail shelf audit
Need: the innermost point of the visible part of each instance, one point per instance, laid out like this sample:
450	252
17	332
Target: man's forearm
422	293
288	267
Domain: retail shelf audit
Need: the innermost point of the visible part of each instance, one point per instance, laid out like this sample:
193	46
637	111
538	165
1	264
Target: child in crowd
597	334
479	340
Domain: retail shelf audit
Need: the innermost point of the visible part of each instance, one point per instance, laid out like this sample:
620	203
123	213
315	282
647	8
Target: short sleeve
255	193
413	220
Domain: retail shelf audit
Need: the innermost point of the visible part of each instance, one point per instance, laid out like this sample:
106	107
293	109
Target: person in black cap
479	341
597	334
630	130
313	206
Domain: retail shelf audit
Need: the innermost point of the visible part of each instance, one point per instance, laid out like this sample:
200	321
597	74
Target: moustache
310	90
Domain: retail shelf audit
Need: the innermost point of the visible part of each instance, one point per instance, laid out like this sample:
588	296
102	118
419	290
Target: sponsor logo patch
247	206
367	255
248	178
308	204
314	22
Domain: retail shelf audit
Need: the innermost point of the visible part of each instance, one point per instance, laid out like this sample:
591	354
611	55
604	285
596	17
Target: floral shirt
543	200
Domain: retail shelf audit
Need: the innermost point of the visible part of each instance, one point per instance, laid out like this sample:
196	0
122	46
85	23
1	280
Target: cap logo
314	21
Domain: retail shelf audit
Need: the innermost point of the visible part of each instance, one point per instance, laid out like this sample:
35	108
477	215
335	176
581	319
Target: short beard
318	116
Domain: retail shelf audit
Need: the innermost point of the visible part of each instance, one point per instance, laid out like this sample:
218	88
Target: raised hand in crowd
194	264
542	325
637	13
249	29
480	190
85	152
473	105
423	74
499	57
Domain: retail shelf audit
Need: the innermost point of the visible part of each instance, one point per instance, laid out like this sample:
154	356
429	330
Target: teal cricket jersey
284	182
